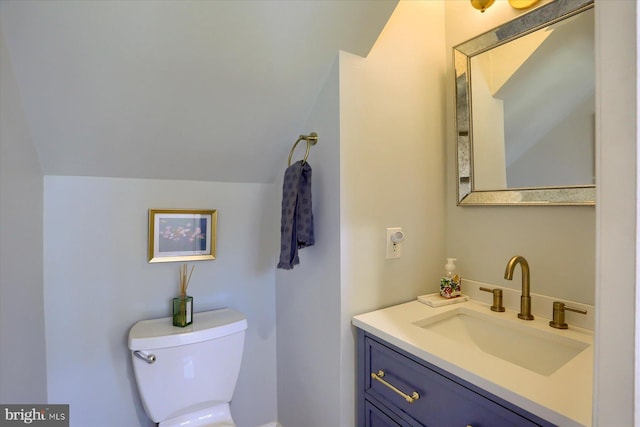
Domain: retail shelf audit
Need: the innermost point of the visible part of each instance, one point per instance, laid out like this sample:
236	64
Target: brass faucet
525	298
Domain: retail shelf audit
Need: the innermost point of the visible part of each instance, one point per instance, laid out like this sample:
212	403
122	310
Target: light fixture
482	5
522	4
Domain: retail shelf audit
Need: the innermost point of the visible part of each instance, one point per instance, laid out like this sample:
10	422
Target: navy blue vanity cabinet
443	399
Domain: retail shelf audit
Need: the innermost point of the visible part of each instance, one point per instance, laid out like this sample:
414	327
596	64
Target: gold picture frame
182	235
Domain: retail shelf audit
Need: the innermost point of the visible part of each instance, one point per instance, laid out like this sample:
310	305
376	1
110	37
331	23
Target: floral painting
181	235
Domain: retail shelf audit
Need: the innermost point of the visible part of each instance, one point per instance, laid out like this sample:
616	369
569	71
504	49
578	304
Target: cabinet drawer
374	417
441	402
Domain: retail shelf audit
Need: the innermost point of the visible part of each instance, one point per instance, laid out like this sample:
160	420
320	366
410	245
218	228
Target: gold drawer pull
378	377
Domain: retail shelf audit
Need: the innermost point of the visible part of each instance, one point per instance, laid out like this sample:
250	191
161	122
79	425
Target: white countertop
563	398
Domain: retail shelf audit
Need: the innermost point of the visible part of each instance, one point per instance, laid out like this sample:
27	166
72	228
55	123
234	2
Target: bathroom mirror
525	110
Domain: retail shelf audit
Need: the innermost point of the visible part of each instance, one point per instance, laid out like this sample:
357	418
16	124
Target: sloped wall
22	337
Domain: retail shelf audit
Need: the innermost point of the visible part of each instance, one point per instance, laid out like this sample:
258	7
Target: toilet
186	376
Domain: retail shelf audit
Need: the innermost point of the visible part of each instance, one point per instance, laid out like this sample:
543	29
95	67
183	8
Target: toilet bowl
216	416
186	376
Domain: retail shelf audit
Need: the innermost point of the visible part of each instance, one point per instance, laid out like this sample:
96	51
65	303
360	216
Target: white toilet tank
183	370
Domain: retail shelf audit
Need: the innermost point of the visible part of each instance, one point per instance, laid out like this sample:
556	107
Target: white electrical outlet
395	236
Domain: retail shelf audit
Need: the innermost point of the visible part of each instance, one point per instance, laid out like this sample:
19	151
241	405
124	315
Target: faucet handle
497	299
558	315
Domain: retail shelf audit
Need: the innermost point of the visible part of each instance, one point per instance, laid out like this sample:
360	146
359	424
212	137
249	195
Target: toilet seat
213	416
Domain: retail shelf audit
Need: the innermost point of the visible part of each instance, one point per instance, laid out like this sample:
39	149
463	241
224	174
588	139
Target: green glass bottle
182	311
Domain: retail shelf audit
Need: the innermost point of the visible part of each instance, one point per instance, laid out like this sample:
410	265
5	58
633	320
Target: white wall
22	364
98	284
558	242
489	155
393	160
392	168
617	165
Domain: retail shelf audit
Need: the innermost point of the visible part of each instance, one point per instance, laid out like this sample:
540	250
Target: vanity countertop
563	398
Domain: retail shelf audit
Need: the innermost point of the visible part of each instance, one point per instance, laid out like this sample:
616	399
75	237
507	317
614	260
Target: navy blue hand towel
296	227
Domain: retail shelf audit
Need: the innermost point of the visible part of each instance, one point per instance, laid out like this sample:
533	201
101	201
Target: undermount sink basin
511	340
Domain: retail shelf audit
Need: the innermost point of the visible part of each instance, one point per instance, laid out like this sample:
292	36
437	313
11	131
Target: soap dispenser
450	283
450	267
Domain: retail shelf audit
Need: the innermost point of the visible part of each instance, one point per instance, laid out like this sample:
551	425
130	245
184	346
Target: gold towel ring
312	139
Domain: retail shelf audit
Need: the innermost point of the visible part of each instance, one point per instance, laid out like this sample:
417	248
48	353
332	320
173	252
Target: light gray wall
558	242
22	364
308	297
576	268
617	214
569	163
98	284
615	333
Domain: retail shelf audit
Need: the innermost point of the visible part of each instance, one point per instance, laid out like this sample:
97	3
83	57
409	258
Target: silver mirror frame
462	54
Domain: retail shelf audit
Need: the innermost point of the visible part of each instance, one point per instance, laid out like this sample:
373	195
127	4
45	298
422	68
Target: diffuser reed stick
184	279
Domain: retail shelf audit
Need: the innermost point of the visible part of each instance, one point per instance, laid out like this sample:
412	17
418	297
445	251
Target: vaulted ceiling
211	90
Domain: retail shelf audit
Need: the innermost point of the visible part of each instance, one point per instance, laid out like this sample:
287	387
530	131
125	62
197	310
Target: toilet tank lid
207	325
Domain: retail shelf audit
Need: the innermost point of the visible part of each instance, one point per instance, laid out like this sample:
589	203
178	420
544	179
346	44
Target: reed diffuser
183	305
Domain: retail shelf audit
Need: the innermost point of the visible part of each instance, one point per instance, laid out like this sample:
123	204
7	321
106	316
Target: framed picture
182	235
